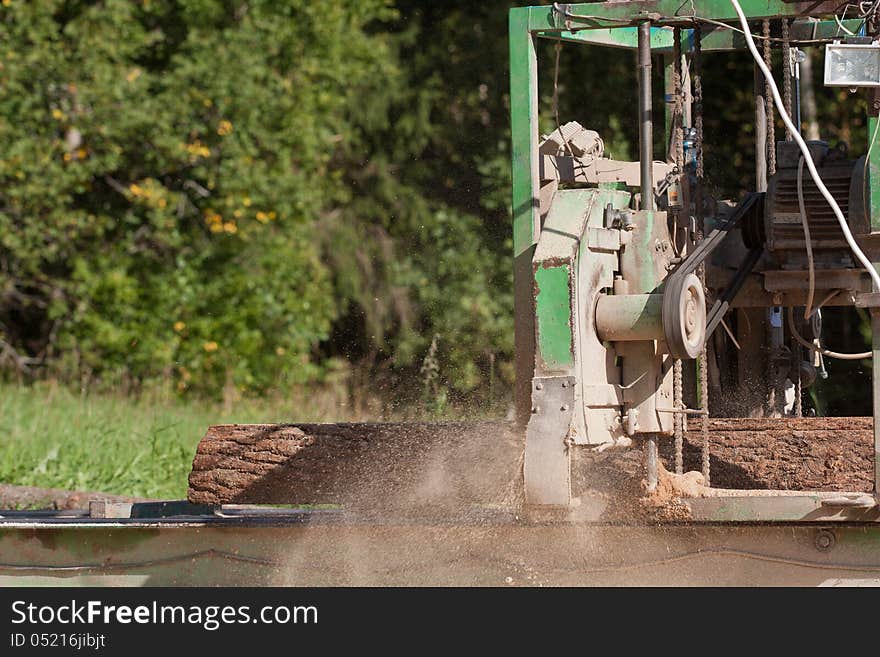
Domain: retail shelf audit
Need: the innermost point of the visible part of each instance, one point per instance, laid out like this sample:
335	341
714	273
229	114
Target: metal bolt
539	386
564	407
825	540
536	409
565	384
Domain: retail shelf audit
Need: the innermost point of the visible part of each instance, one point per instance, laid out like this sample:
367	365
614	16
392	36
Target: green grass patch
52	437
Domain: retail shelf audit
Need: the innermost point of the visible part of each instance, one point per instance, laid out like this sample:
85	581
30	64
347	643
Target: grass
52	437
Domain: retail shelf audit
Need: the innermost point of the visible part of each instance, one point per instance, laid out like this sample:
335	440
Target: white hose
841	25
786	119
819	350
807	240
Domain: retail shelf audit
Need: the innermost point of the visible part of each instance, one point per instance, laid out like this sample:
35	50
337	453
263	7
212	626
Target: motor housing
844	178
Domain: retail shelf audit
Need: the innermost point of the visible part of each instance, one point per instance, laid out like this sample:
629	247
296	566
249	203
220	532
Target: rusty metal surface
455	552
547	465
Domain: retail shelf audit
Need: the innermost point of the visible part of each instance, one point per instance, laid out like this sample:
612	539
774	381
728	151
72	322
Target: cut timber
817	453
363	465
458	464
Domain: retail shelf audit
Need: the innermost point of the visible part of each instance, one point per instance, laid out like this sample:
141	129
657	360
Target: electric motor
843	177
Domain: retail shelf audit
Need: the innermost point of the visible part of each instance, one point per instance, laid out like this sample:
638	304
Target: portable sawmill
644	305
625	271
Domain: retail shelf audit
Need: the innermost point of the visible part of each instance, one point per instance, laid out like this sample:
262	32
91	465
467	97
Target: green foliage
199	189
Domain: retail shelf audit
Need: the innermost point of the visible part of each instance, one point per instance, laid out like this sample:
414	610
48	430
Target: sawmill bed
334	548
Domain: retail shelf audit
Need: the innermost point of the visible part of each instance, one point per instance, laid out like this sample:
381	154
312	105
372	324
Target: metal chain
786	74
798	383
701	272
704	406
698	104
678	107
678	418
787	101
768	94
678	154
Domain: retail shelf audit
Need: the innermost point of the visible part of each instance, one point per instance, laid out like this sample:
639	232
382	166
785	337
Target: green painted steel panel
874	175
523	121
553	310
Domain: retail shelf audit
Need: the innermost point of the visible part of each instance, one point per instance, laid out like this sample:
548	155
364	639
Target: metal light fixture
852	65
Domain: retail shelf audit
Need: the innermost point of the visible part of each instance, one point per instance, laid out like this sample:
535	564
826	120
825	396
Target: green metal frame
614	24
530	23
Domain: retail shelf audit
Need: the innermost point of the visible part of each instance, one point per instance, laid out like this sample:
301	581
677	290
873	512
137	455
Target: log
823	454
359	465
456	464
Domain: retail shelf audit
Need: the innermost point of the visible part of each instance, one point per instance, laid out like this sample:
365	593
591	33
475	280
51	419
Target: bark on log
363	465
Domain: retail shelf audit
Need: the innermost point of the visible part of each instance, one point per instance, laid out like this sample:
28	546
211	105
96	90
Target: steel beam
715	38
467	550
646	118
668	12
526	203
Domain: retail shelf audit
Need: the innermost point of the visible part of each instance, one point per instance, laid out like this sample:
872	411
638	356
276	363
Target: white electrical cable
819	350
807	240
841	25
786	119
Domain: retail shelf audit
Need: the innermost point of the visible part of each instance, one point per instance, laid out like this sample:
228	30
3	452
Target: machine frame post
525	183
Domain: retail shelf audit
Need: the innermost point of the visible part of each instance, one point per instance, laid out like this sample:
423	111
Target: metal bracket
547	468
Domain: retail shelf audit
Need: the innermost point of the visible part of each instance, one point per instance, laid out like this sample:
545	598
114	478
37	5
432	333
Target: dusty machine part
752	253
785	234
580	258
677	147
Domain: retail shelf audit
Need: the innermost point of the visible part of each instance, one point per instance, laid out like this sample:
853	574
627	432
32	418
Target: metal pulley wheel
684	317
